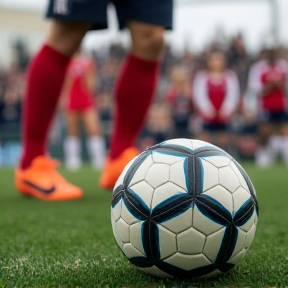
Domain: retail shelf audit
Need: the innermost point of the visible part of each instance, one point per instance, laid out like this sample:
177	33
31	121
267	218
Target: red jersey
261	74
216	90
80	98
214	95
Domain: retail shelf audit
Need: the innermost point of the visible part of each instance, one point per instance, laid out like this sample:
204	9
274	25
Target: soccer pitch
70	244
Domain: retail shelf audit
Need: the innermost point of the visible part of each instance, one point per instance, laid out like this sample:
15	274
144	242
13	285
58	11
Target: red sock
45	78
134	93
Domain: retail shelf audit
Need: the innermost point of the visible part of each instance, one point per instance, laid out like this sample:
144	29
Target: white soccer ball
184	208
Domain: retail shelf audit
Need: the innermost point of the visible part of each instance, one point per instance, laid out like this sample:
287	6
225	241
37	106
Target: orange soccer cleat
41	180
113	168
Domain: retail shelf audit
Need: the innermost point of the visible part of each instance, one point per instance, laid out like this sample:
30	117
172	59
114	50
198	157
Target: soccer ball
184	208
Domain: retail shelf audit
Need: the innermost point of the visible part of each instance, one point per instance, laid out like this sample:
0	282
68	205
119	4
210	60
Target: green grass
71	244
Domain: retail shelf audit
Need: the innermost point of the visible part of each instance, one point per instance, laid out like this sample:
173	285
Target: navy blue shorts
215	127
273	117
156	12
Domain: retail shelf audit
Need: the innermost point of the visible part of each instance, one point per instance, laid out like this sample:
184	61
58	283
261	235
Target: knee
149	43
153	41
66	36
72	130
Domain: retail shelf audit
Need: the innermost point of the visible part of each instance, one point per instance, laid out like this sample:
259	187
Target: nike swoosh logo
45	191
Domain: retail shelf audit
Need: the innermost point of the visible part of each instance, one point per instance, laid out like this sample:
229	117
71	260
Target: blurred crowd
174	113
12	85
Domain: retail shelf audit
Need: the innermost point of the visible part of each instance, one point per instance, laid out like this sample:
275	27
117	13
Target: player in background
134	90
216	96
79	104
268	82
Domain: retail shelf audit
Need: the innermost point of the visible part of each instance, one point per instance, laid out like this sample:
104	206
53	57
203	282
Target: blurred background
242	29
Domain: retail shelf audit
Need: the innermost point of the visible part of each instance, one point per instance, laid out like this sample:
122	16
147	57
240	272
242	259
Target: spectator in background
180	100
11	92
10	109
105	110
117	51
21	54
268	82
2	82
107	74
79	91
11	88
158	127
238	60
216	97
236	52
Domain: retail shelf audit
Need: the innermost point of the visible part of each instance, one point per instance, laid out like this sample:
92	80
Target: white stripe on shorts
60	7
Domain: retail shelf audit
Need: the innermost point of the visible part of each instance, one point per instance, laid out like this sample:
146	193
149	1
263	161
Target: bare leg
284	144
147	40
95	143
134	93
72	144
264	155
136	85
45	79
66	36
